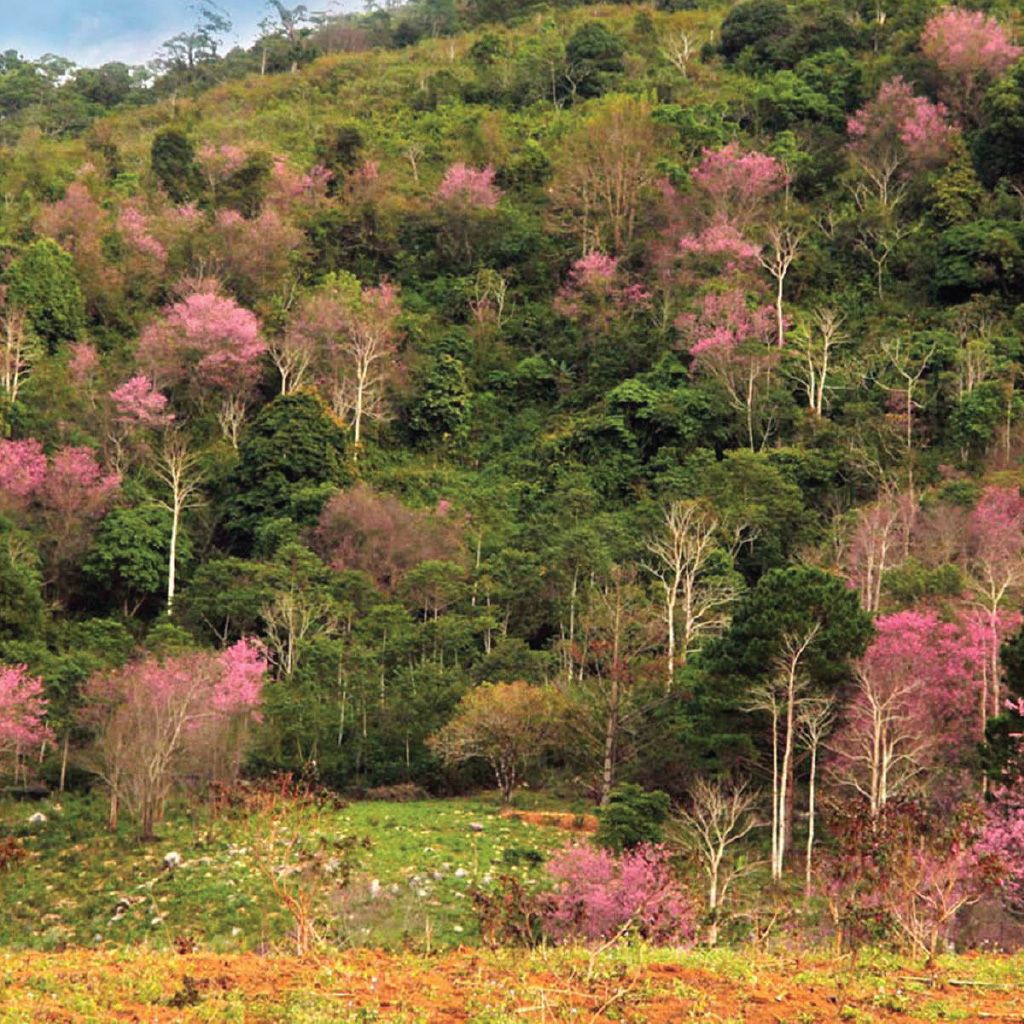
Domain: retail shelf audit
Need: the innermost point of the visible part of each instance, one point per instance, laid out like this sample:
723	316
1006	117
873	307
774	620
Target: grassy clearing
82	885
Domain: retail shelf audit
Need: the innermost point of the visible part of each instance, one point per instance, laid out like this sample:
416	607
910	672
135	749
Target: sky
92	32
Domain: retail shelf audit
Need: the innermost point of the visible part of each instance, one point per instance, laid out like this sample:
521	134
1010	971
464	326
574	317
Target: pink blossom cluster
901	127
725	321
970	48
598	895
736	182
71	480
83	362
595	285
134	226
22	708
239	689
218	162
469	186
207	338
138	403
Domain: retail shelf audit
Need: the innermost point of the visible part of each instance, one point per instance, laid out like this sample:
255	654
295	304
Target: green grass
423	855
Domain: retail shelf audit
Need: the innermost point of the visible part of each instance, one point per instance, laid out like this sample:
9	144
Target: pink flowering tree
211	346
290	192
67	494
22	472
915	686
146	255
74	496
254	256
598	292
735	184
599	897
179	722
463	197
137	409
22	713
971	50
735	345
1003	836
896	134
80	225
217	164
463	186
893	137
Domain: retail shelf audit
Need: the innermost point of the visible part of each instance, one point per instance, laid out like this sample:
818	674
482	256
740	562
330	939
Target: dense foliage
659	367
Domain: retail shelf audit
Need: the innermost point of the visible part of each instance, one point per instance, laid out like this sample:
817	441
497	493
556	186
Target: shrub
599	896
633	816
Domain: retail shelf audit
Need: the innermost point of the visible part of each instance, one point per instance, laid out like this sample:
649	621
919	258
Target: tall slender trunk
811	810
172	558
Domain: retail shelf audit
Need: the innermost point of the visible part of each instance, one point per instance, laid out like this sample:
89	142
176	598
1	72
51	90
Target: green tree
290	459
128	558
172	159
41	280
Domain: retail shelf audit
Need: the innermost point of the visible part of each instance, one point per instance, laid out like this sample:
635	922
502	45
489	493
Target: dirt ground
470	986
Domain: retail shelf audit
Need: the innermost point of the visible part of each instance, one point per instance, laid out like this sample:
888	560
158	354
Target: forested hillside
579	395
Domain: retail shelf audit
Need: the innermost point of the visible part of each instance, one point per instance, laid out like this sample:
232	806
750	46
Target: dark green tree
172	159
41	280
290	459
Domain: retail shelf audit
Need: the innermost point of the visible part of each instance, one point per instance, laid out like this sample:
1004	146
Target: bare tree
605	166
720	815
909	368
290	617
18	351
816	718
881	748
617	631
781	249
683	549
678	49
813	346
780	696
178	469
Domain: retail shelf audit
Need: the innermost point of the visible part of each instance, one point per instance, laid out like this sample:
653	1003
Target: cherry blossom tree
22	712
735	184
736	346
466	187
598	896
917	681
379	535
597	292
22	472
73	497
971	49
160	724
137	407
1003	836
80	225
212	346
